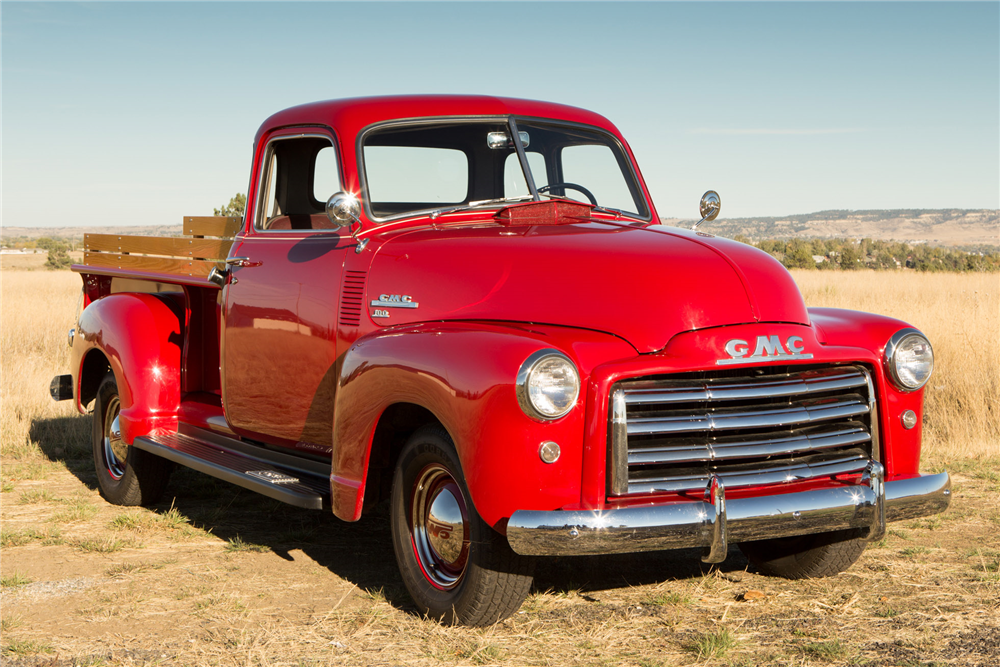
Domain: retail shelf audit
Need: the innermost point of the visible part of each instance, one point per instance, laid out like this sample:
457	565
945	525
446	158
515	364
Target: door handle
242	261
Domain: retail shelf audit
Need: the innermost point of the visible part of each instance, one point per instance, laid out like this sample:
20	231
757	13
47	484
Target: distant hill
76	233
938	227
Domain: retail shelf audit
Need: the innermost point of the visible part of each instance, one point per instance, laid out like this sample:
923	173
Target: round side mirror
343	209
709	207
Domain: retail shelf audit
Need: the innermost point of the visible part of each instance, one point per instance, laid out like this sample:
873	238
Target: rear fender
464	374
140	336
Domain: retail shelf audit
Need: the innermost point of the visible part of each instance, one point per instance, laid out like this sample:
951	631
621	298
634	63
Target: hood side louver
352	298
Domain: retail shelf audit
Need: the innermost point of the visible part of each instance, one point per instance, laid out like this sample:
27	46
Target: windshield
425	167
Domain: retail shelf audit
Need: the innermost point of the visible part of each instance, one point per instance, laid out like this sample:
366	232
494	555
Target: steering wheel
572	186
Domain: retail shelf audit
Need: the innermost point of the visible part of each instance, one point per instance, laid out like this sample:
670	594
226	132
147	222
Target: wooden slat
158	245
212	226
181	267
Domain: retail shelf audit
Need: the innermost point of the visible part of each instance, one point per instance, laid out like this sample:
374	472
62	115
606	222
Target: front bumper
717	522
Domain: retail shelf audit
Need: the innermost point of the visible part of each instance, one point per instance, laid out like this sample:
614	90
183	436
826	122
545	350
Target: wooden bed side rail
200	248
199	226
139	264
205	246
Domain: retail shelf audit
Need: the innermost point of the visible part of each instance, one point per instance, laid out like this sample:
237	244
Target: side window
514	184
270	207
326	175
301	173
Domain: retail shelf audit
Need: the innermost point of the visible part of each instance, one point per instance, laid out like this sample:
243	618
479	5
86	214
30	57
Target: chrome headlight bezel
524	375
898	341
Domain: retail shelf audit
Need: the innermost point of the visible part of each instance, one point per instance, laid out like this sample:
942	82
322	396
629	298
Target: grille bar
683	392
753	426
743	448
775	475
715	421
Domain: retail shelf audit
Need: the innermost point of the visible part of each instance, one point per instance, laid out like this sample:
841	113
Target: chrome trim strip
873	416
693	524
759	360
618	484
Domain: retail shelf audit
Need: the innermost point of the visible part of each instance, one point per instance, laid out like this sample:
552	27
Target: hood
644	285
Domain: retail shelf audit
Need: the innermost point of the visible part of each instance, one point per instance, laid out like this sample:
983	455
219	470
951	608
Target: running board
272	474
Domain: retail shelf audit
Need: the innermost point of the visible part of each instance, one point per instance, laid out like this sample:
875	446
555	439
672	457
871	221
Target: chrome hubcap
438	524
115	449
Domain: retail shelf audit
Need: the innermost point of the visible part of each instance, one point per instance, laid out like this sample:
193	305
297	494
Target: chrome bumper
717	522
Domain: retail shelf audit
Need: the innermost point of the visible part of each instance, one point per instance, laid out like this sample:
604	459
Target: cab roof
350	116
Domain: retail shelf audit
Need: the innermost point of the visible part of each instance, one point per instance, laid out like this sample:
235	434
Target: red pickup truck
467	306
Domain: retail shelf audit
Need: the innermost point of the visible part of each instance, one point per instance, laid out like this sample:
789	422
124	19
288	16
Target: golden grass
960	314
37	308
925	594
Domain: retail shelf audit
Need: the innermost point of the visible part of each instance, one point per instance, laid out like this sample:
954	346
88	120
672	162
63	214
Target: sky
141	113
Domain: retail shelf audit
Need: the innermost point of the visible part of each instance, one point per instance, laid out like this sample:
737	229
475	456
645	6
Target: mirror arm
709	207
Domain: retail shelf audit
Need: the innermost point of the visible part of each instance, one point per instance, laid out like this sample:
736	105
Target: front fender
464	374
835	327
141	337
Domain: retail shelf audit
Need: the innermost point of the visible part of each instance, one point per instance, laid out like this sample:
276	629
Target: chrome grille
749	427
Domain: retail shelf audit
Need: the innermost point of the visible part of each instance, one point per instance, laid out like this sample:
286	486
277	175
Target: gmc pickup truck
466	306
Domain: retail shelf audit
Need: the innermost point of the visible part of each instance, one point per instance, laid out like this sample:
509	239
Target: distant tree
798	255
58	257
235	208
849	257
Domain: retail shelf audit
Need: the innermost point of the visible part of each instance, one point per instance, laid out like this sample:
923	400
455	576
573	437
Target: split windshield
426	167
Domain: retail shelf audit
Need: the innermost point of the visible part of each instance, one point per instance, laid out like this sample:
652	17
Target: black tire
126	475
478	580
805	556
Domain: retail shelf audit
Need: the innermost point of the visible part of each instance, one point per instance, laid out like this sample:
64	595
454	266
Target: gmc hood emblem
767	348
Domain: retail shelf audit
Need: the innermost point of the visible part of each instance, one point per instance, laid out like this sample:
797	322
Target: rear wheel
456	567
126	475
805	556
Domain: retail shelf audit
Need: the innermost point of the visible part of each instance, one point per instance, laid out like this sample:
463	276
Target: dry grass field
219	576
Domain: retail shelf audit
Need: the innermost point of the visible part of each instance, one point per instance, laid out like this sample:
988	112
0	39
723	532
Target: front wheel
805	556
126	475
456	567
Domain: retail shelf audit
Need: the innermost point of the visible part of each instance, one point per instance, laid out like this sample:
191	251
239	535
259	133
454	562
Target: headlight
547	385
909	359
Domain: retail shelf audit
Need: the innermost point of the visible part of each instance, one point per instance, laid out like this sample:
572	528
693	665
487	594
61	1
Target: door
279	341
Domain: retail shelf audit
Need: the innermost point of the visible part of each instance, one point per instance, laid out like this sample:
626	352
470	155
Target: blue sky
140	113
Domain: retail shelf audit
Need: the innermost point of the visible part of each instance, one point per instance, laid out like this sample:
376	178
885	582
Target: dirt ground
216	575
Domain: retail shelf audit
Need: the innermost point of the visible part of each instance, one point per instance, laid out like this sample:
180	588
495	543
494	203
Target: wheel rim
439	527
115	449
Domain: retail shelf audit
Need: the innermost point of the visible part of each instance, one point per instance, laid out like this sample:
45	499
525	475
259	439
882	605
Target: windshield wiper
477	204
